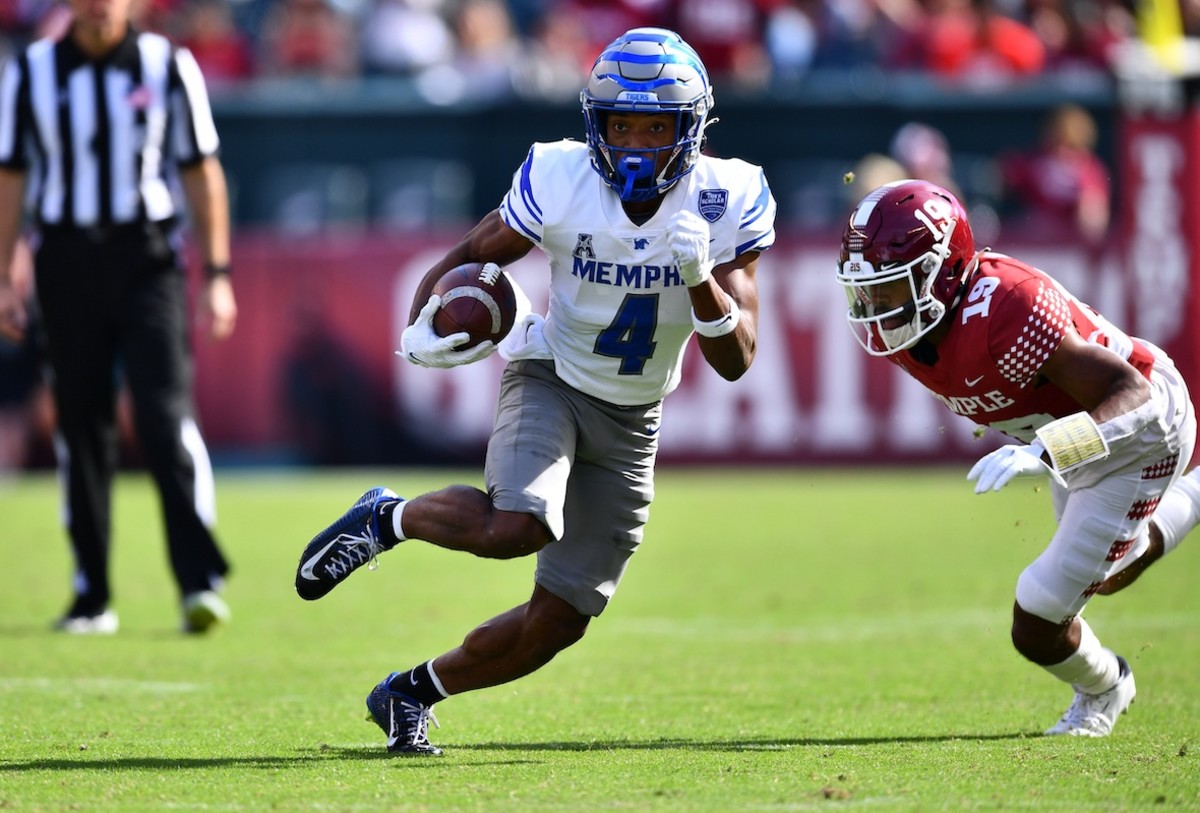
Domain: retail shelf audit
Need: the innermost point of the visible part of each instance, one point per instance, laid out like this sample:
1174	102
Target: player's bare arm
12	308
1102	382
205	187
208	201
730	355
492	240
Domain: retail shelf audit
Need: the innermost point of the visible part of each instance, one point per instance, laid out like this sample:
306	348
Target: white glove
689	247
993	471
420	345
525	340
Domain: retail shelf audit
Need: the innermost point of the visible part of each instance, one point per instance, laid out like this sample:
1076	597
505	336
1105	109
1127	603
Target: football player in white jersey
1105	415
649	241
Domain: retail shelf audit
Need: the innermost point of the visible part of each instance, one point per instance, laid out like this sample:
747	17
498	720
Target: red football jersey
1012	318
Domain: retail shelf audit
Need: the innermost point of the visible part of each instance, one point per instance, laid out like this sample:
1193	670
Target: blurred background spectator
486	55
224	54
559	52
1078	36
405	37
728	36
971	41
605	20
308	38
1060	187
918	150
924	154
484	51
749	45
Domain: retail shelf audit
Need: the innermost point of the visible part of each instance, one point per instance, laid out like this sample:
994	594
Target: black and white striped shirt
98	137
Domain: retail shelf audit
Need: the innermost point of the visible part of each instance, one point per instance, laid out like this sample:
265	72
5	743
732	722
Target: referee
92	129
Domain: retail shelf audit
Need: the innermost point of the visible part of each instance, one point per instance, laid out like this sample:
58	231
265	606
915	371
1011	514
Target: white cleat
104	623
1094	715
204	610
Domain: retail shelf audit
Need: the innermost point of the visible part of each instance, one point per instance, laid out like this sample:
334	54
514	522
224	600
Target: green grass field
785	640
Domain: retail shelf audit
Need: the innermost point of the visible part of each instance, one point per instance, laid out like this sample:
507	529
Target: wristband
1073	441
719	327
212	271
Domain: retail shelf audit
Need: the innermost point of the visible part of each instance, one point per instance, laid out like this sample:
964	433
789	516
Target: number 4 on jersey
630	335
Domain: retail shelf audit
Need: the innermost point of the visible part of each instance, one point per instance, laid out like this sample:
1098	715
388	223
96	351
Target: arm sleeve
756	228
521	209
14	116
193	133
1032	321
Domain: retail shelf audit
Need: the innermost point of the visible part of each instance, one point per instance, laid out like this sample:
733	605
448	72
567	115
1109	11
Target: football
478	299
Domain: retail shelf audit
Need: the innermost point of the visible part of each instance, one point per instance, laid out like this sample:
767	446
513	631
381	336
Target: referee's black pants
115	302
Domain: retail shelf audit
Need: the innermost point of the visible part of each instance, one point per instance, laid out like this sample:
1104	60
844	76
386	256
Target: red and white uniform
1012	318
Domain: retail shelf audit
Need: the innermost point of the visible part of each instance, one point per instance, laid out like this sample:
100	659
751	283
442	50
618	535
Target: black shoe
403	719
346	545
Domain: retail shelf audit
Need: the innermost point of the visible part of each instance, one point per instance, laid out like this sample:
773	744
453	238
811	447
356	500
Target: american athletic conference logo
712	203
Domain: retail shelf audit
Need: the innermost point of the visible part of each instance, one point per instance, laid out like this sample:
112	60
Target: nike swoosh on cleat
306	570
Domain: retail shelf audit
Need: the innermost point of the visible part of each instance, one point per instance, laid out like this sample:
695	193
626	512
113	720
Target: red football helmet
910	231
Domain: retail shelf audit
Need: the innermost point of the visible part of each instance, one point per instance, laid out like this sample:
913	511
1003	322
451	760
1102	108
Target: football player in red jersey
1105	415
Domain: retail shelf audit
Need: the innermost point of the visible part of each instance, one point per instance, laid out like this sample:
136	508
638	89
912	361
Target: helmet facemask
882	333
632	172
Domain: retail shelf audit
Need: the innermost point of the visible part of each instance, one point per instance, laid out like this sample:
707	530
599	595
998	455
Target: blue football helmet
647	70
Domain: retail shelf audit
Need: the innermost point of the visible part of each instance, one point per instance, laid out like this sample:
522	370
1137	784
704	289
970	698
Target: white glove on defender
993	471
689	246
420	345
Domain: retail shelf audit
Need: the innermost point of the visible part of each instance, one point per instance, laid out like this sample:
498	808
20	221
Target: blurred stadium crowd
460	51
540	48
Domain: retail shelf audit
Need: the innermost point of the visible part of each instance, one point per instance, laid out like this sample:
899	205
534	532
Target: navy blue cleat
404	720
345	546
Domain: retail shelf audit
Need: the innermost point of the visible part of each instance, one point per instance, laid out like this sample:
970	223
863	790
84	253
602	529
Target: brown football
477	299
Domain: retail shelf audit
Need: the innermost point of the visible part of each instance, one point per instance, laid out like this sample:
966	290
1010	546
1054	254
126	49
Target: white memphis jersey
620	316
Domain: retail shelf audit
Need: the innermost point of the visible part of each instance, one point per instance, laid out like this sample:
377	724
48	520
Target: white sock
1179	510
1092	669
396	512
